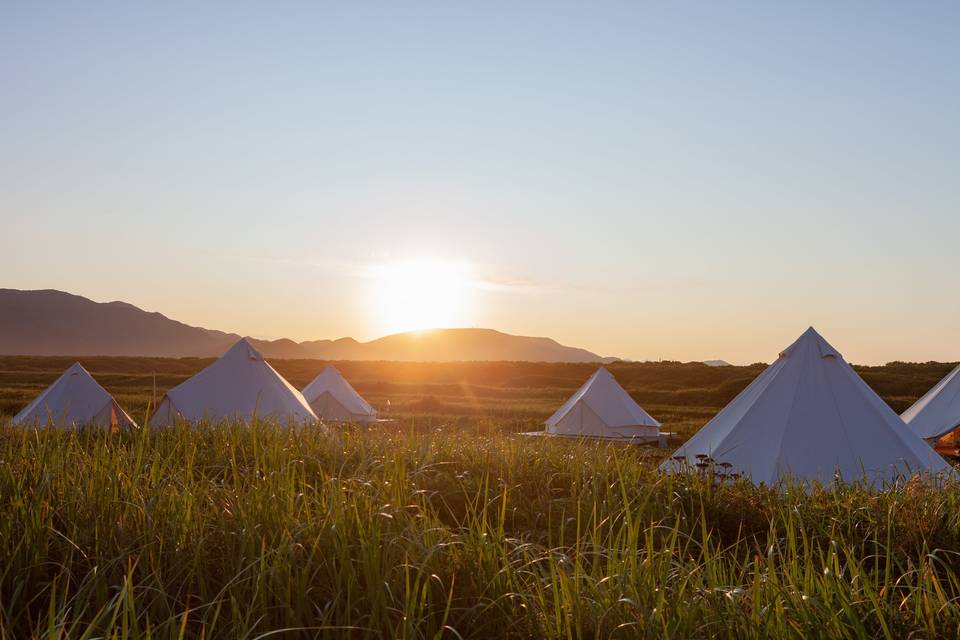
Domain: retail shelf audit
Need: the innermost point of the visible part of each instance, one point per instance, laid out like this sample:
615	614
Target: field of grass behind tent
445	524
467	532
517	395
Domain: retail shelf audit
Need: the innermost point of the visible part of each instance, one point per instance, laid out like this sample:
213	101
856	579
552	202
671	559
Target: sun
413	295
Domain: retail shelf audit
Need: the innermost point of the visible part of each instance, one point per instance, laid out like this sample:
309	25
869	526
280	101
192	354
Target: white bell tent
809	417
601	409
333	399
74	400
240	385
937	413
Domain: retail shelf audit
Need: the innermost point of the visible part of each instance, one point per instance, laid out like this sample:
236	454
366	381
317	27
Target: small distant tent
74	400
333	399
601	409
936	416
240	385
809	416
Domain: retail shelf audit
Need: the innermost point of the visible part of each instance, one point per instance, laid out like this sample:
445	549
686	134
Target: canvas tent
333	399
810	416
936	416
238	386
602	409
75	399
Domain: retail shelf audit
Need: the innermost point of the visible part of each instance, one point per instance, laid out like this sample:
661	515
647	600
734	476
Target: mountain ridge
51	322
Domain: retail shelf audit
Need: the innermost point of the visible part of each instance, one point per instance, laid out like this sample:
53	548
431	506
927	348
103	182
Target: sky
682	180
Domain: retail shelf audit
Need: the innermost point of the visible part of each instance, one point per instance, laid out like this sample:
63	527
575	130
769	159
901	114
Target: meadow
444	523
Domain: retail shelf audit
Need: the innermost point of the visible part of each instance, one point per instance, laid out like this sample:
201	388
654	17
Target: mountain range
50	322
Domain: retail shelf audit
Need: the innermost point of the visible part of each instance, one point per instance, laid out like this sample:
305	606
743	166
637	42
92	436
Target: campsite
479	320
444	521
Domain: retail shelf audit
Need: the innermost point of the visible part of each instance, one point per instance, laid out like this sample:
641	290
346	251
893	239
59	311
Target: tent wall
581	420
937	413
164	415
327	408
113	417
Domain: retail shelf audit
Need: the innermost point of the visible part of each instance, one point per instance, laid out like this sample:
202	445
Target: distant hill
55	323
717	363
50	322
451	344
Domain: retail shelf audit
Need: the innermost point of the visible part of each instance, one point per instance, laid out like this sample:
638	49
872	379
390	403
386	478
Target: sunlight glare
414	295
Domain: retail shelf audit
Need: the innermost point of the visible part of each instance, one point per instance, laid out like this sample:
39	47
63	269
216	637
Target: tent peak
76	368
810	339
243	347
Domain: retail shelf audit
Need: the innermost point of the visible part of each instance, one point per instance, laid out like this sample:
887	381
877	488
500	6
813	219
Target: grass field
443	524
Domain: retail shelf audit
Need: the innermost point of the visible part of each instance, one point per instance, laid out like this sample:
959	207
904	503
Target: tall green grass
256	532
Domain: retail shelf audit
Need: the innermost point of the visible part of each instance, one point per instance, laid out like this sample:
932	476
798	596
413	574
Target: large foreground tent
240	385
75	399
332	398
602	409
936	416
809	417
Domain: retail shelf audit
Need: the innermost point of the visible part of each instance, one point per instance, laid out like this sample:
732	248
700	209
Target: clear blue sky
676	180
